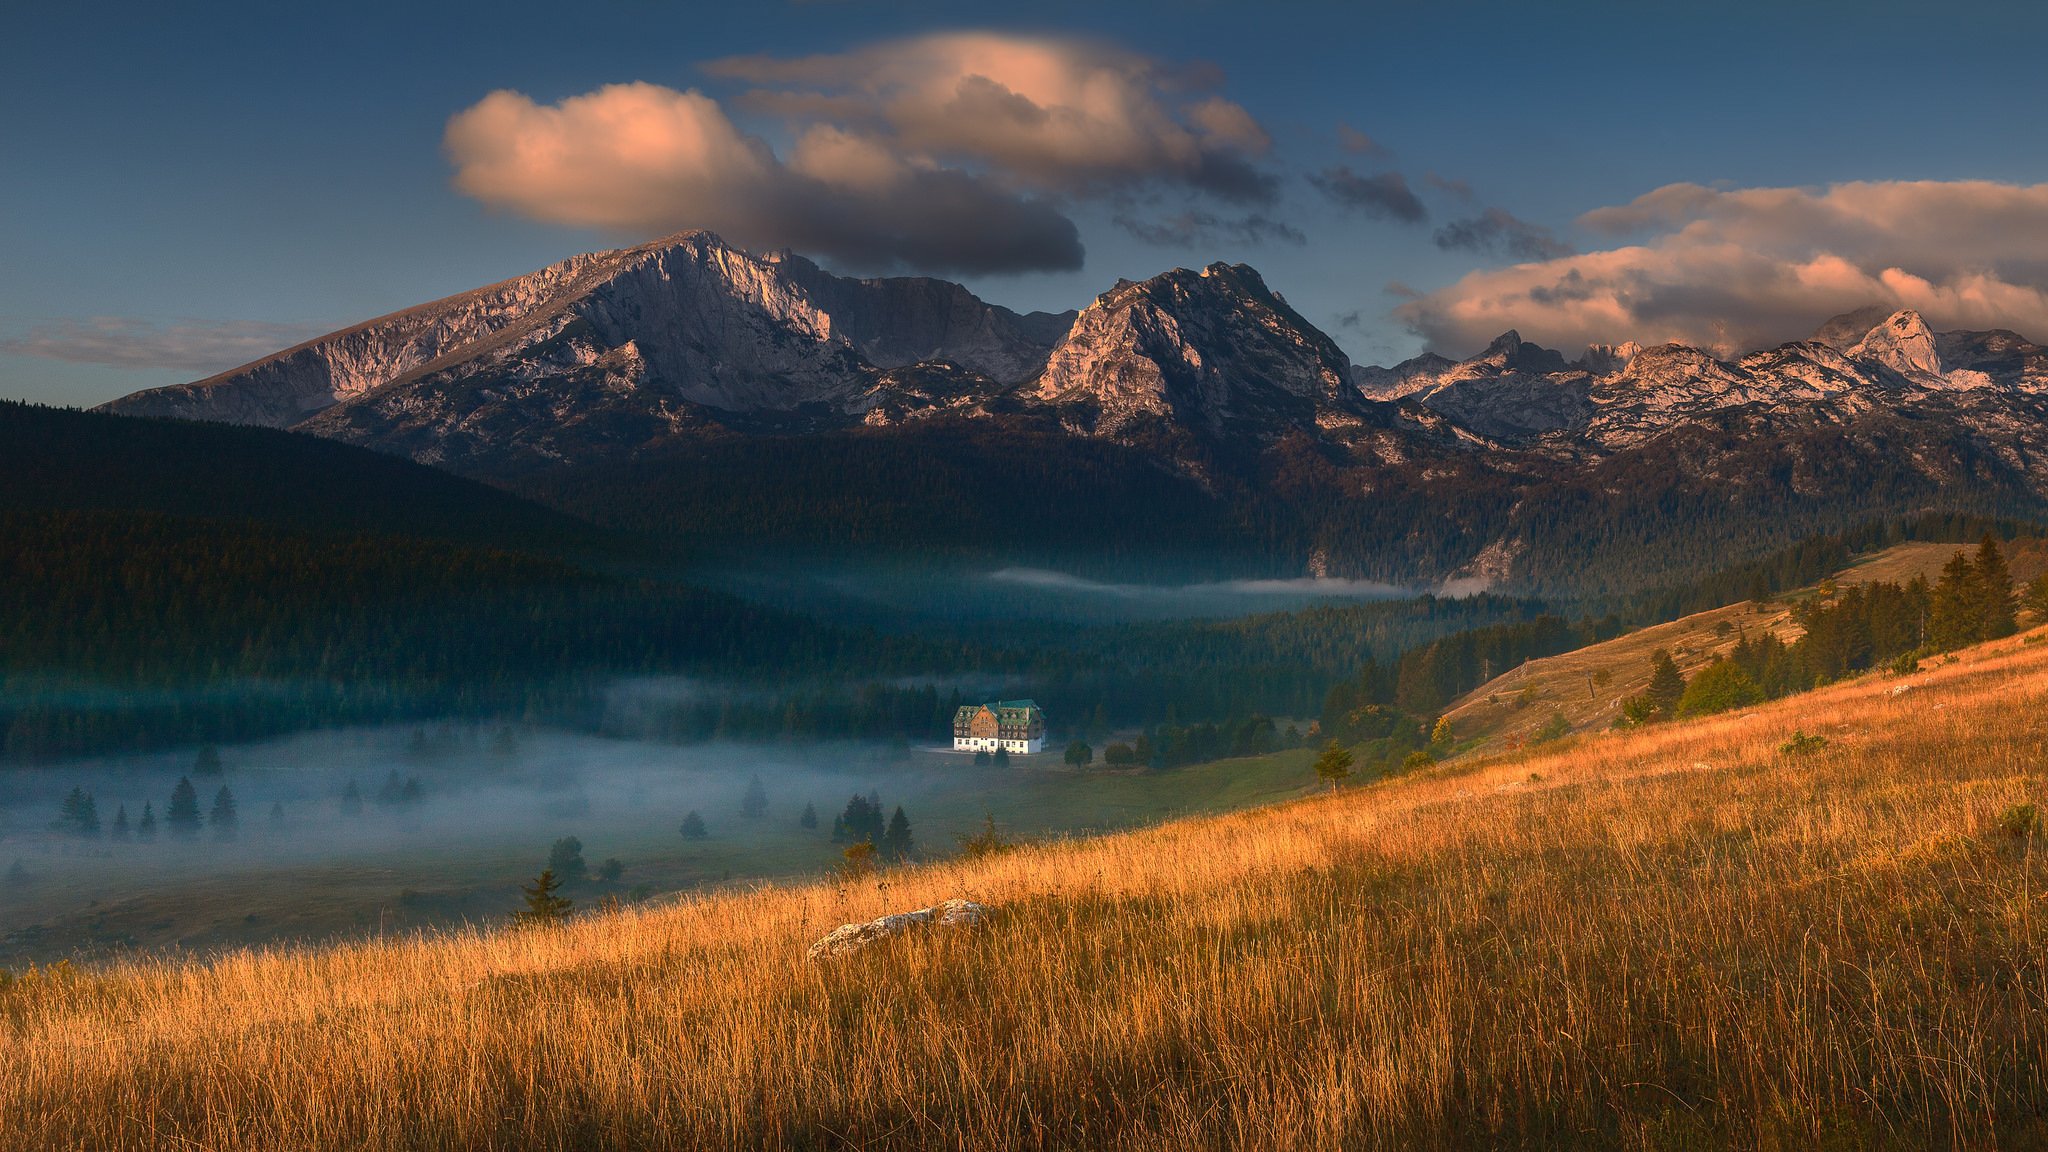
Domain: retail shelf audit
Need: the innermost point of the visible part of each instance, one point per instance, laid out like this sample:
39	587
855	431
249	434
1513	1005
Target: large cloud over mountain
948	153
1745	268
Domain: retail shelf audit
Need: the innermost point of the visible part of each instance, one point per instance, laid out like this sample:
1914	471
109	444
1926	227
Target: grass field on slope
1687	936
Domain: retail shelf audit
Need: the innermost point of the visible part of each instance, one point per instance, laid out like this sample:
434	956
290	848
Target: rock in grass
853	937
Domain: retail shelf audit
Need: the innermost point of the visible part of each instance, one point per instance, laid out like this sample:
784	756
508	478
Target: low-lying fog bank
394	828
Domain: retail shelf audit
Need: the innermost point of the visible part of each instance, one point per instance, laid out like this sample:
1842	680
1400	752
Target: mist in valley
369	830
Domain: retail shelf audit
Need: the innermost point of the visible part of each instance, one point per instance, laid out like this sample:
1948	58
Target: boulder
853	937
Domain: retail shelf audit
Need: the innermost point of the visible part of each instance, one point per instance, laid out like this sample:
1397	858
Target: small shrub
858	862
1417	760
1556	728
611	870
2020	821
1904	664
987	842
1800	744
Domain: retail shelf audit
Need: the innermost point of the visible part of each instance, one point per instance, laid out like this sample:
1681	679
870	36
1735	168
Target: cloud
1737	269
1063	115
951	153
192	346
1496	232
644	158
1192	227
1448	185
1386	195
1358	143
1316	587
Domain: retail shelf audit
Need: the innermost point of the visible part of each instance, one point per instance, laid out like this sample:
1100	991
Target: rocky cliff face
282	389
1214	352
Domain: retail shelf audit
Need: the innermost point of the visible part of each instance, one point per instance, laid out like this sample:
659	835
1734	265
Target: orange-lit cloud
945	153
641	158
1746	268
1063	115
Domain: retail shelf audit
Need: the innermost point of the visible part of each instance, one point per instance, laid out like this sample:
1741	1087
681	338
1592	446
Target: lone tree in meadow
565	859
181	815
1334	764
1667	684
1080	755
1719	687
224	818
693	826
544	905
809	820
896	839
754	804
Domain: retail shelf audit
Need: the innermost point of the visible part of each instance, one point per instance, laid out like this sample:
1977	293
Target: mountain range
689	386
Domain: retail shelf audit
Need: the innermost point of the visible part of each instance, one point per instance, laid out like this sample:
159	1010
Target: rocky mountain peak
1607	359
1903	343
1510	353
1207	350
1843	332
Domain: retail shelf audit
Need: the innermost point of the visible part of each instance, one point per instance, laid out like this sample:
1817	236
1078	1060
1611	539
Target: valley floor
1695	935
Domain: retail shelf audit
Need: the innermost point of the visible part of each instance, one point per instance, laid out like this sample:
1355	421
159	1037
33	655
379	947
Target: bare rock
853	937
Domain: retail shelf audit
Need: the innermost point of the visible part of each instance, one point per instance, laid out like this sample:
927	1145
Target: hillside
1687	936
1587	685
61	460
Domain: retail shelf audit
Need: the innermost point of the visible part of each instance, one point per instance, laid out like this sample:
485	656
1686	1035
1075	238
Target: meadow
1817	924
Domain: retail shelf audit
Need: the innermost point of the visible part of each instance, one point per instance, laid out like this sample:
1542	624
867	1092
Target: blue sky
186	185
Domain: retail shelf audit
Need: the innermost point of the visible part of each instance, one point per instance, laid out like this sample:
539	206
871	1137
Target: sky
186	187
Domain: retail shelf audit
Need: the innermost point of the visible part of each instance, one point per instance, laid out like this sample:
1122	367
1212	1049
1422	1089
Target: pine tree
1993	586
392	792
1667	683
693	826
121	822
1002	758
809	820
145	828
181	816
754	804
351	800
1334	764
78	815
224	817
1955	618
207	763
896	840
277	814
543	906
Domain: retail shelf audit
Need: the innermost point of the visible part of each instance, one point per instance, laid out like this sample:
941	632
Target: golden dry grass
1675	938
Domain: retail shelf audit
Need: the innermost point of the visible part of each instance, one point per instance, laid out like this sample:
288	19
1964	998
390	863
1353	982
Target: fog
449	820
876	593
